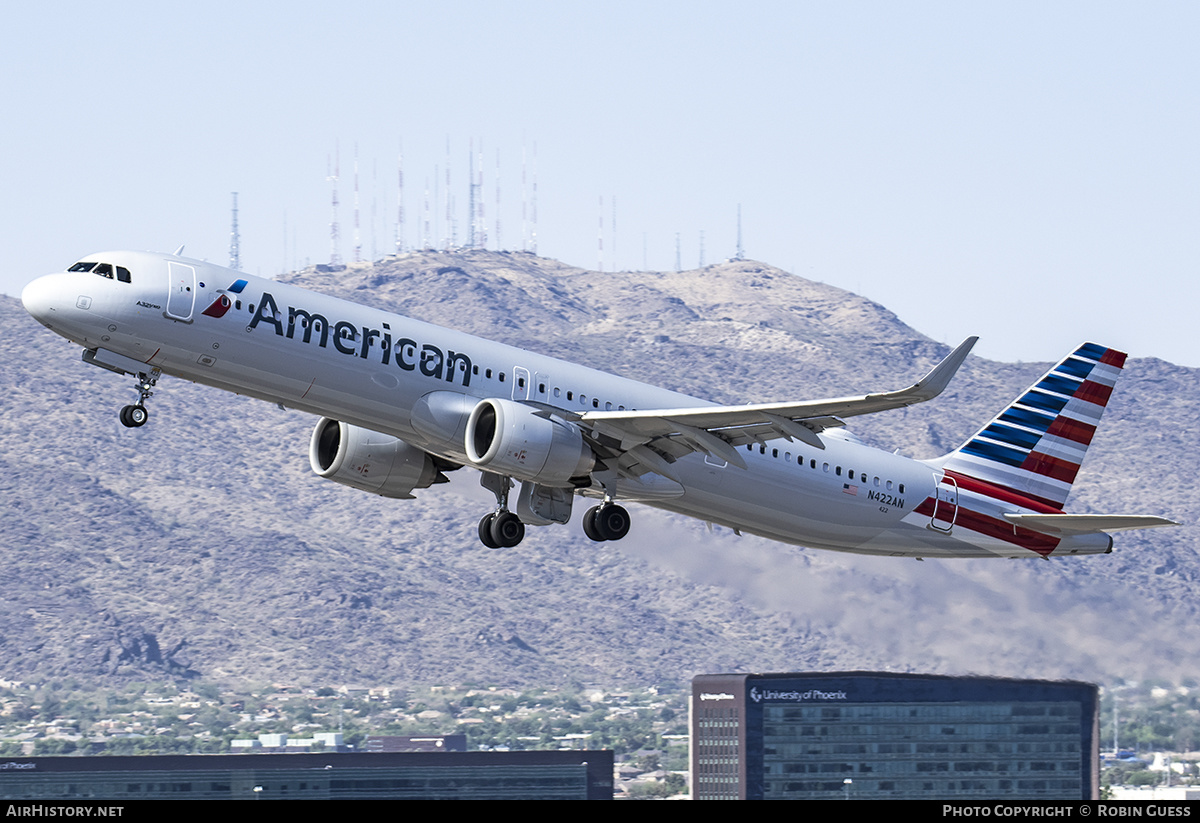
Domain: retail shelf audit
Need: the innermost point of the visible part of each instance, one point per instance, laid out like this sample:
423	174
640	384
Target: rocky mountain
202	546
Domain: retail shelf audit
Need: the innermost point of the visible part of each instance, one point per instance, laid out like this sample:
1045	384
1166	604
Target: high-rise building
877	735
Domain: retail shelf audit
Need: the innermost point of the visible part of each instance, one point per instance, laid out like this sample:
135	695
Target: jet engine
513	439
370	461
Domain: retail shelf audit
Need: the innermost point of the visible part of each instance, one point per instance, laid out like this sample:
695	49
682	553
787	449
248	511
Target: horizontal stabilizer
1066	524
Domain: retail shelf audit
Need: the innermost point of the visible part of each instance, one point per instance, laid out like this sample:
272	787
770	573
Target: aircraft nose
40	297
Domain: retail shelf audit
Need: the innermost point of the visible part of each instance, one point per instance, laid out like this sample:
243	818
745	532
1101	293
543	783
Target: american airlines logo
363	341
759	695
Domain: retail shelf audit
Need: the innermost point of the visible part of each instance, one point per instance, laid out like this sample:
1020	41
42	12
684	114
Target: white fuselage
370	368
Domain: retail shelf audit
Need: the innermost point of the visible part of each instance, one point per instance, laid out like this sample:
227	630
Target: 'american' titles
353	340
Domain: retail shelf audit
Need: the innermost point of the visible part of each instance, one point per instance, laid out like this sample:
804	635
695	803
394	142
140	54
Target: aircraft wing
650	440
1068	524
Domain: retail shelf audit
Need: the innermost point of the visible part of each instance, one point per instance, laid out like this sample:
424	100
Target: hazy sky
1027	172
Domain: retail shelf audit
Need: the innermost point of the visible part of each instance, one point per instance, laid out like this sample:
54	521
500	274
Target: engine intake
369	461
513	439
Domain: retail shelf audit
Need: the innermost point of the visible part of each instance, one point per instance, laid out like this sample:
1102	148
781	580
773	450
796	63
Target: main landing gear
135	416
608	521
501	529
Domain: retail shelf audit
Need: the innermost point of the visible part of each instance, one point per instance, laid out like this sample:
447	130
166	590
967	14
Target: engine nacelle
513	439
369	461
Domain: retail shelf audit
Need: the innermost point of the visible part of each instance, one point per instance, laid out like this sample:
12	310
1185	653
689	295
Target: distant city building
321	741
876	735
548	775
416	743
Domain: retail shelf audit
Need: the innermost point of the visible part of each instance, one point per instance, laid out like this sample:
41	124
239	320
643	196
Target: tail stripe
1043	401
1035	447
1028	418
1076	367
1022	438
1075	430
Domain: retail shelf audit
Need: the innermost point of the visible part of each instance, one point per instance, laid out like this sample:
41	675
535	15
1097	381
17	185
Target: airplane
401	403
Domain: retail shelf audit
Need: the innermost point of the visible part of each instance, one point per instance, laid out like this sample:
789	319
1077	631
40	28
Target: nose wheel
136	415
133	417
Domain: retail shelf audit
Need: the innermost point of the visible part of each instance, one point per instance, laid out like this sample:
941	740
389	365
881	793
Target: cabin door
181	291
945	505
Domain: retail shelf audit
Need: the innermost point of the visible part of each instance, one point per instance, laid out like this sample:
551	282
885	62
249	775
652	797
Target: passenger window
557	391
825	468
838	471
595	402
541	388
902	488
570	395
501	377
520	382
774	452
488	374
762	449
888	485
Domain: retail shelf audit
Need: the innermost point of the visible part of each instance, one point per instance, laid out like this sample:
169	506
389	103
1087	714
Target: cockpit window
104	270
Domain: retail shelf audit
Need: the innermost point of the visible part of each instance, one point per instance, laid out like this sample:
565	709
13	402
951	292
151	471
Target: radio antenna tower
533	205
499	244
425	243
481	237
235	259
451	223
357	235
614	233
741	255
471	205
400	202
600	237
524	204
335	256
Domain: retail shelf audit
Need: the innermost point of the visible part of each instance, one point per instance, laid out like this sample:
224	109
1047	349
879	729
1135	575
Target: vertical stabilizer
1035	446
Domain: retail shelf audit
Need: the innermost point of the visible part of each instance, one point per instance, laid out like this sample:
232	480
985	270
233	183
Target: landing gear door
181	291
945	505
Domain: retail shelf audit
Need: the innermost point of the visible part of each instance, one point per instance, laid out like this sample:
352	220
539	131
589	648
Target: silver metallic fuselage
370	368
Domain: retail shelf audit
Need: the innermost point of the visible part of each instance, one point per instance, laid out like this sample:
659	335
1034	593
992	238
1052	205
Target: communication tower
741	255
357	235
235	259
335	256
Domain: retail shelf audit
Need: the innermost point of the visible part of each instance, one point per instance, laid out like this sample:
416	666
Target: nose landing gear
136	415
